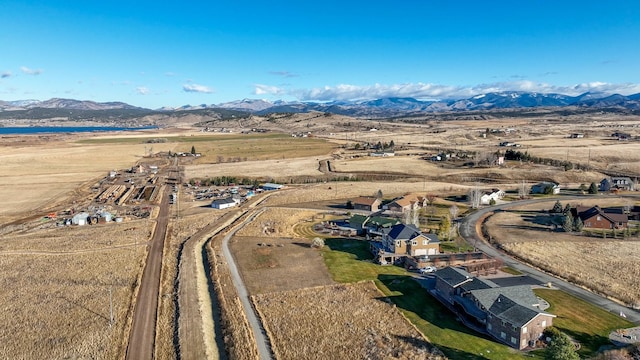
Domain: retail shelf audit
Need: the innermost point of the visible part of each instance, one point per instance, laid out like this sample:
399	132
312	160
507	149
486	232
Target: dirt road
143	329
199	333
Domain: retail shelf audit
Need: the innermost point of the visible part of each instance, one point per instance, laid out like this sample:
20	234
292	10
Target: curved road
262	341
468	232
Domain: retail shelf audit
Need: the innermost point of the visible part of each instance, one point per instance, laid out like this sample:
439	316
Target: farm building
511	315
223	203
80	218
272	186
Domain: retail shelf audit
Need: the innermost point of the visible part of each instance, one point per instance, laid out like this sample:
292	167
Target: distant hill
377	108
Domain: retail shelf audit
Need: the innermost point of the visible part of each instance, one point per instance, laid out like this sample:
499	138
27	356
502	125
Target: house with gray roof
511	315
407	239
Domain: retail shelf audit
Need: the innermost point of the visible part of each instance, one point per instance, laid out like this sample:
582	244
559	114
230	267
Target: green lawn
350	261
582	321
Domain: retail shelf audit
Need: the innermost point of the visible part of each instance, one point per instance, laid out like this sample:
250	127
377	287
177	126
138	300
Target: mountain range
379	108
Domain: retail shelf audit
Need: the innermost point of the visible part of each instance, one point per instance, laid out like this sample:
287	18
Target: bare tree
474	196
523	190
453	210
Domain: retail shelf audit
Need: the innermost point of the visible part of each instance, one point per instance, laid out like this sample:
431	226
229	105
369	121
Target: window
414	242
544	323
503	335
598	218
514	340
524	329
489	326
397	243
425	242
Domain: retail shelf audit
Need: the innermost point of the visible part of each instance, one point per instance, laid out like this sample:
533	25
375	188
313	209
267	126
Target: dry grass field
55	300
608	266
39	175
276	169
339	322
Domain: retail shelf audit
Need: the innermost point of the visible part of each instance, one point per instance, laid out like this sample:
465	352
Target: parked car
427	270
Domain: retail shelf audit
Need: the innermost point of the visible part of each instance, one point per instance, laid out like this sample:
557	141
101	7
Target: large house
402	239
617	183
489	195
511	315
366	203
601	218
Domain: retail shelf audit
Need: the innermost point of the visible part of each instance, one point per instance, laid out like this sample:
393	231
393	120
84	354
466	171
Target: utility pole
111	320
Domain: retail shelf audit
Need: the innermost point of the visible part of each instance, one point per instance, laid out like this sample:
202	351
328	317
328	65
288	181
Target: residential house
371	225
403	239
366	203
599	218
511	315
402	205
546	187
493	194
623	183
223	203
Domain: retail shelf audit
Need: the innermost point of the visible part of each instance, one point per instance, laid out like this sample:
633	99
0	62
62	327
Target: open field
339	322
582	321
39	176
275	169
56	300
608	266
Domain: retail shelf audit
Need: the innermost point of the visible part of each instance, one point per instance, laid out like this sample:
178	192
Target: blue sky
161	53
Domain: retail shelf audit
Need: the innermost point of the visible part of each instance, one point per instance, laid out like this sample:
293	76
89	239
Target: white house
493	194
541	188
223	203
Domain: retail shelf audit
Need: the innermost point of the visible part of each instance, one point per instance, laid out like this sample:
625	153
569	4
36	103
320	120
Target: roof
357	221
521	294
382	221
477	284
453	276
512	312
404	232
226	200
613	216
402	202
365	200
272	185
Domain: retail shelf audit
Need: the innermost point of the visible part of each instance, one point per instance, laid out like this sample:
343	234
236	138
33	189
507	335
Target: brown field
39	176
608	266
55	300
277	169
339	322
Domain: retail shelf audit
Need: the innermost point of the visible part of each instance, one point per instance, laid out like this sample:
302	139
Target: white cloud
29	71
5	74
267	89
142	90
197	88
439	91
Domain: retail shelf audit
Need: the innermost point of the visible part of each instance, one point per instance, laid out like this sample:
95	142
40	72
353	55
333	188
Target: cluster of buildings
235	198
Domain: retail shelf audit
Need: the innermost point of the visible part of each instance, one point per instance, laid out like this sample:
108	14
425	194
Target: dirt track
142	336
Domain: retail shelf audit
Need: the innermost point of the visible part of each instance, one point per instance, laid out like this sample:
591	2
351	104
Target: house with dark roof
546	187
511	315
366	203
403	239
601	218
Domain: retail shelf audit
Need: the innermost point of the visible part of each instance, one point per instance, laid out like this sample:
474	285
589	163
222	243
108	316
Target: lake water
66	129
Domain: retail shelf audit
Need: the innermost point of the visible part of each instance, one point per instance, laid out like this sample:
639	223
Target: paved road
262	341
143	329
468	232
